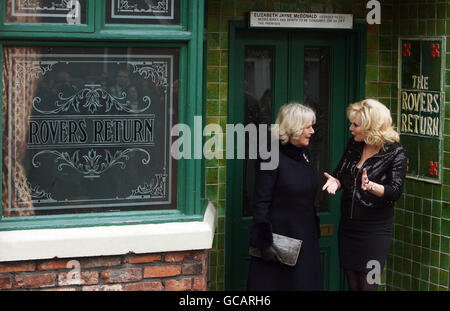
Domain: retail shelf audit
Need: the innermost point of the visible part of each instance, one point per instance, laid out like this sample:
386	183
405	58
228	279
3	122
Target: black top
387	167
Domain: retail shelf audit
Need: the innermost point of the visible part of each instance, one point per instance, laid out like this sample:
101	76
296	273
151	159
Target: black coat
387	167
284	204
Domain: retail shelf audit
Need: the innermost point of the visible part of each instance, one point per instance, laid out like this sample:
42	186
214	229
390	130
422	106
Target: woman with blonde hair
284	204
371	173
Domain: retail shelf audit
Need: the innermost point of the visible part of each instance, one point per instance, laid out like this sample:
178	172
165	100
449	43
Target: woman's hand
365	181
332	185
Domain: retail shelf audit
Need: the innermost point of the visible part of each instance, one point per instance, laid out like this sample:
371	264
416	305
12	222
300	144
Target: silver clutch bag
287	248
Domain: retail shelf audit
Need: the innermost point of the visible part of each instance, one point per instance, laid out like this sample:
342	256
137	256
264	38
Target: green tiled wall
419	257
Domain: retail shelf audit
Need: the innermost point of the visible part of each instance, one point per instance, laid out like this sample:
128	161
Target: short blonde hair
292	119
376	121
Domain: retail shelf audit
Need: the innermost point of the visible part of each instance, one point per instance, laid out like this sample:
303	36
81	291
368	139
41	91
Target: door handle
326	230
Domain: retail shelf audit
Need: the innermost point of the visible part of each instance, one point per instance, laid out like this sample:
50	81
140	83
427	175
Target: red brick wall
173	271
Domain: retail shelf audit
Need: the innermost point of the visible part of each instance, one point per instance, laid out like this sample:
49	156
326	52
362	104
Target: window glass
88	129
46	11
143	12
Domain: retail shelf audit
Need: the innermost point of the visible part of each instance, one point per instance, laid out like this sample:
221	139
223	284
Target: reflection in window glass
46	11
257	110
316	94
88	129
143	12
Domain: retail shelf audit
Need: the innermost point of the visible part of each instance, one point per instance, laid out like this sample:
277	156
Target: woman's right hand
332	185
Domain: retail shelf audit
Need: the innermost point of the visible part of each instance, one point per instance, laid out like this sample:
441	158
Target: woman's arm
392	190
261	228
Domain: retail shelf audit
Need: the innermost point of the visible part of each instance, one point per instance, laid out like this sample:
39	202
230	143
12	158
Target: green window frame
188	38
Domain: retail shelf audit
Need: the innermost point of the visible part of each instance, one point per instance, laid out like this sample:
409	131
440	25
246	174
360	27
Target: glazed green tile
408	219
213	24
445	227
386	43
211	163
223	105
212	108
212	91
221	224
426	206
213	58
445	210
435	242
441	10
417	221
417	201
422	27
443	278
433	287
212	192
436	208
437	192
212	74
220	274
227	8
434	259
434	275
426	223
222	191
213	41
224	58
446	156
407	234
426	239
425	273
224	40
445	261
385	74
223	91
372	42
222	174
423	286
427	192
398	216
372	91
440	28
445	244
372	73
212	175
213	7
435	225
417	237
409	203
406	282
223	75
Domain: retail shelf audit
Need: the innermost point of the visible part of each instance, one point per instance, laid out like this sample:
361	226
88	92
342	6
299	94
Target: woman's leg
363	285
352	279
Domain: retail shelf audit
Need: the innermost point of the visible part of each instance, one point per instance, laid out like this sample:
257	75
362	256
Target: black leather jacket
387	167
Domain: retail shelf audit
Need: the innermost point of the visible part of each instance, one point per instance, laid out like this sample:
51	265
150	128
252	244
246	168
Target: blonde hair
376	121
291	120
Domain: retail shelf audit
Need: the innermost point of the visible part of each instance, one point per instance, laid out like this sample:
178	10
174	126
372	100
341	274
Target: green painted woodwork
188	37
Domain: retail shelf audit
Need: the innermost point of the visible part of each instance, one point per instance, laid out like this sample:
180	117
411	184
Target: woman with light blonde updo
371	173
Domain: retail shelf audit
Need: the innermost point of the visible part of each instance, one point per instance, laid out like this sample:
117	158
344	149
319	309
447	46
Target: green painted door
268	69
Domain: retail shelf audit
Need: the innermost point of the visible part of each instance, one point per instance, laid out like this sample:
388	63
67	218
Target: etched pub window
88	129
46	11
143	12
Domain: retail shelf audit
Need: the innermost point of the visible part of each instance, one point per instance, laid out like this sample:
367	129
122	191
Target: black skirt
363	241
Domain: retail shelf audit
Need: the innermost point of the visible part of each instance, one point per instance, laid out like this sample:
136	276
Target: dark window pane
316	94
258	109
143	12
46	11
88	129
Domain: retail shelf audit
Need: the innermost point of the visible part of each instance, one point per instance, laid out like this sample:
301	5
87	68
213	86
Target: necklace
305	157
